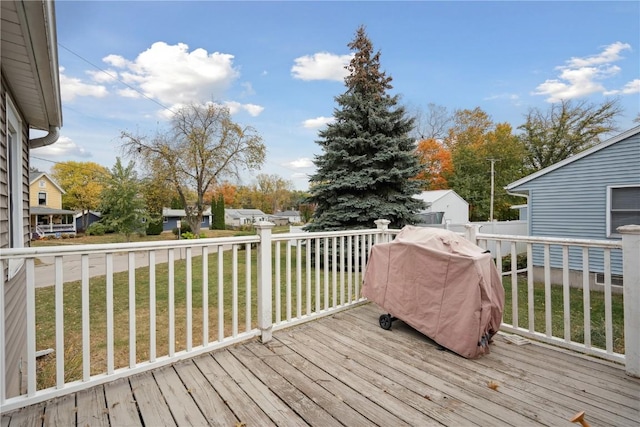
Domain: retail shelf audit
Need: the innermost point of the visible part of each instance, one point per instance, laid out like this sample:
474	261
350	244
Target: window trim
14	175
611	233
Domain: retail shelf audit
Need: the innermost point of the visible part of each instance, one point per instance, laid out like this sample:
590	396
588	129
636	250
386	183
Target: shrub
96	229
521	262
190	235
154	228
186	228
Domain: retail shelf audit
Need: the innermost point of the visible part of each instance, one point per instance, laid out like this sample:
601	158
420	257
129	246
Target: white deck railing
113	310
110	311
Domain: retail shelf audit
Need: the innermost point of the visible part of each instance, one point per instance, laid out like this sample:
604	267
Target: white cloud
583	76
235	107
508	96
630	88
253	109
318	122
106	76
71	87
62	148
129	93
172	74
301	163
610	54
299	175
321	66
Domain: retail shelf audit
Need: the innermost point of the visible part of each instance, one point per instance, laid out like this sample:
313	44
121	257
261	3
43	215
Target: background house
170	218
586	196
293	216
87	217
240	217
47	218
29	100
443	206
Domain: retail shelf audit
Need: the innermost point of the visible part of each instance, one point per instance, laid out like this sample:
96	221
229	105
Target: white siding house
240	217
586	196
454	209
29	99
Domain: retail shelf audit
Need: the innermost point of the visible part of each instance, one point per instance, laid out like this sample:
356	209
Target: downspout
48	139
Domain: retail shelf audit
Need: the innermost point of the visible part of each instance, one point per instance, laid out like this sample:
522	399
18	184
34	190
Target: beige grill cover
440	284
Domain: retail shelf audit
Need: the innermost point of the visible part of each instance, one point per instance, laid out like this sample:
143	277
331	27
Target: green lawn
598	338
45	311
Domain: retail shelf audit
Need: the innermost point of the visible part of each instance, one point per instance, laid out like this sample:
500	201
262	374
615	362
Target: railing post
471	232
631	295
383	224
265	308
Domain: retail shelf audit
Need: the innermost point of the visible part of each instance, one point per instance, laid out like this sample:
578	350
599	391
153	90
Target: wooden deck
346	370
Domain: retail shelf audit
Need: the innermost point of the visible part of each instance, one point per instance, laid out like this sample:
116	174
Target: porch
181	316
47	221
345	370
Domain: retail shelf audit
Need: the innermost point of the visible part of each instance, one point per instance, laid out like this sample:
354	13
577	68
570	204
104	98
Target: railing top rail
122	247
612	244
321	234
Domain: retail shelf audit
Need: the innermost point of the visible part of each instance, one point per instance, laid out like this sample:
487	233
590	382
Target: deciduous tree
432	122
367	165
82	183
203	146
565	129
475	143
435	161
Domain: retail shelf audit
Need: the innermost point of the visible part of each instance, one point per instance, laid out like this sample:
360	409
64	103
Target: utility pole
493	161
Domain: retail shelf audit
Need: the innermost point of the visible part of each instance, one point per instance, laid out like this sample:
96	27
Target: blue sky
279	65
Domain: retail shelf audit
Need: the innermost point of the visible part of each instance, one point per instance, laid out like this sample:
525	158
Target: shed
446	205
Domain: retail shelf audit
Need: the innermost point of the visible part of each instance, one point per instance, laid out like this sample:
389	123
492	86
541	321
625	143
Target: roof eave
624	135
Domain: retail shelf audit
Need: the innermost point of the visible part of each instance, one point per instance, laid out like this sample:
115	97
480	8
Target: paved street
72	270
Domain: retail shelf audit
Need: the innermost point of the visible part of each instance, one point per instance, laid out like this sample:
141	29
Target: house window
42	183
14	175
42	199
165	219
623	207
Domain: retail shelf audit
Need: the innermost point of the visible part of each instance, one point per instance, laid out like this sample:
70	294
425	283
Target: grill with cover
439	283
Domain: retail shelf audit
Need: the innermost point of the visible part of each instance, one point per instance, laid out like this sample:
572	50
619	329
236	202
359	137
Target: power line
116	78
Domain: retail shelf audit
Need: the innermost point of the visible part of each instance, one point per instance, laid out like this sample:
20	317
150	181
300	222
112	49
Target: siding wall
4	187
14	290
54	196
455	209
572	201
172	222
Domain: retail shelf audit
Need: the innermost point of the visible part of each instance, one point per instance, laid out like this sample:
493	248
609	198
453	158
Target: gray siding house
170	218
586	196
29	99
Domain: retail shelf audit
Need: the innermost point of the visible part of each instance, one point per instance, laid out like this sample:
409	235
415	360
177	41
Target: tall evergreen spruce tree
367	165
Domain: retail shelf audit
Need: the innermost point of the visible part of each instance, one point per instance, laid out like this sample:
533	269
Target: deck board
91	408
345	370
153	408
206	397
121	405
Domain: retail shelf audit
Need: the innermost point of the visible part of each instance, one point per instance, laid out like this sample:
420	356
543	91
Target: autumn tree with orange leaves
436	164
